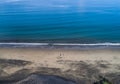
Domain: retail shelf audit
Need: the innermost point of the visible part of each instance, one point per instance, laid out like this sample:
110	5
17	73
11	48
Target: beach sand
84	66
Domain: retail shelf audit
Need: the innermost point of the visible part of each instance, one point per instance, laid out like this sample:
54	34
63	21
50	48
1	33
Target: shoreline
62	45
79	65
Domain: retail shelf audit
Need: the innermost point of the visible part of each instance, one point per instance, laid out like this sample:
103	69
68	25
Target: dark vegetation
102	80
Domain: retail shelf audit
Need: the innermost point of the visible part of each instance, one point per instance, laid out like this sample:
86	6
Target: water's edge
61	45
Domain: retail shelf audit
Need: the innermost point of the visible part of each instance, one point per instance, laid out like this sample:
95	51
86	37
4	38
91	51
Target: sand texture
81	66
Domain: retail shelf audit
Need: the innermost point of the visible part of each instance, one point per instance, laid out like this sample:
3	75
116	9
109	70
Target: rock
44	79
116	80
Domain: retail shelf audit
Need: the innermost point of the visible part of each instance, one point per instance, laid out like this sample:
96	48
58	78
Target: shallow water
78	21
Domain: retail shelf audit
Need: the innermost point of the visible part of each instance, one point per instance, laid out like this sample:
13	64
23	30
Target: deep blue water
78	21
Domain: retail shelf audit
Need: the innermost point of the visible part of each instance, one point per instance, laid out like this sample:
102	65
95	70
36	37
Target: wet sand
84	66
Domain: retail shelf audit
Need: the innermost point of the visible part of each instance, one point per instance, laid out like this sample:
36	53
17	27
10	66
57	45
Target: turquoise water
63	21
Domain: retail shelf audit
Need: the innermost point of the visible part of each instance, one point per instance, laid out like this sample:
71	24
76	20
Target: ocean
60	21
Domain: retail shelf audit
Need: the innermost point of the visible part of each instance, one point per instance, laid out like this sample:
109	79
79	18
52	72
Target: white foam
67	44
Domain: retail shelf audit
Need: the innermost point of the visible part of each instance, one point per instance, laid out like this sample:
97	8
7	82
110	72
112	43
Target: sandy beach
84	66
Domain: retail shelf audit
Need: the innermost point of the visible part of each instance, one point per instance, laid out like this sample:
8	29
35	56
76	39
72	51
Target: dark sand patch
17	76
9	62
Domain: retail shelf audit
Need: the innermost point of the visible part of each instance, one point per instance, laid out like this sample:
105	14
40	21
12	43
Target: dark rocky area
44	79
